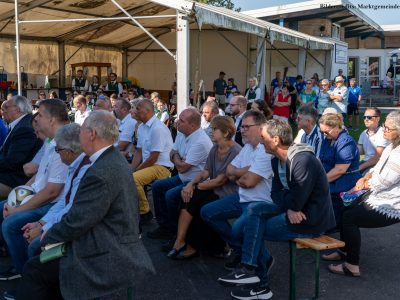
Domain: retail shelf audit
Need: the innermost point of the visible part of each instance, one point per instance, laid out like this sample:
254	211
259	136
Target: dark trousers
40	281
200	235
360	216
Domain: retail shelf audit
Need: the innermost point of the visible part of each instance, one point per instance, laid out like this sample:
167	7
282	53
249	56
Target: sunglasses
327	132
58	150
369	118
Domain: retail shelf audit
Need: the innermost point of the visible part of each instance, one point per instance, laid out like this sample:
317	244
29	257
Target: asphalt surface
196	278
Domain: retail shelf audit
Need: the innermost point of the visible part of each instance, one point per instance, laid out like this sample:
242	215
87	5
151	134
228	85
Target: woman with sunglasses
340	157
381	207
308	96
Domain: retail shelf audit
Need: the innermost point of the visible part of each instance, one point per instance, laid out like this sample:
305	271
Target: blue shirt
58	210
354	93
3	132
274	83
342	151
300	86
314	139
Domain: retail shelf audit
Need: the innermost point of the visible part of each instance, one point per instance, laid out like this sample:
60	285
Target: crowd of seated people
221	186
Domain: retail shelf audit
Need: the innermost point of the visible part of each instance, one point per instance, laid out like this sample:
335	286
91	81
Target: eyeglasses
233	104
42	94
58	150
308	82
247	127
385	128
327	132
369	118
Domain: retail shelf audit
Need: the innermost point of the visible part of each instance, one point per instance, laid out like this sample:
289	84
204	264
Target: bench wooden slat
323	242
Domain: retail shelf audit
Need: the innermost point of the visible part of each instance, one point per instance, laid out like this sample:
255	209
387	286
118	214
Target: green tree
221	3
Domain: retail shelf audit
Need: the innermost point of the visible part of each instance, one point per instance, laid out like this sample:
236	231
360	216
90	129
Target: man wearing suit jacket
101	230
238	108
20	145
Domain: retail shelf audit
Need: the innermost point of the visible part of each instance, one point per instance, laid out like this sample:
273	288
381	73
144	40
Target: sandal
345	271
334	256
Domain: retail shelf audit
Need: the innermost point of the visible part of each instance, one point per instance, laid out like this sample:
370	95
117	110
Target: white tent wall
155	70
36	58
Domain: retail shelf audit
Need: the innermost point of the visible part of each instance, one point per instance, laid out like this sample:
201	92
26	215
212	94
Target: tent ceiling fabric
122	34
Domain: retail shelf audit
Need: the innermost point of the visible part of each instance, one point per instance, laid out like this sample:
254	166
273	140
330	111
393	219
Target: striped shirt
314	139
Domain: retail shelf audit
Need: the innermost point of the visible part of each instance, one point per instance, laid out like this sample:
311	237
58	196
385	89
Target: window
369	70
335	31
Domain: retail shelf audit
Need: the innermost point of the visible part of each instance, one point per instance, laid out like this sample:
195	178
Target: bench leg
293	254
317	260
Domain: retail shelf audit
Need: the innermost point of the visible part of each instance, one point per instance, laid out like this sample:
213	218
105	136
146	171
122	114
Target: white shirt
238	119
126	129
59	209
194	151
340	106
369	143
120	87
260	164
81	116
154	136
81	88
95	156
51	169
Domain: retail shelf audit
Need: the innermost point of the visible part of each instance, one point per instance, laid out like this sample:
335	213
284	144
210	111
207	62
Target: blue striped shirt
314	139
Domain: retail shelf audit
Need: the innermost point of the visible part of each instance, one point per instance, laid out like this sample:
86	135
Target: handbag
355	198
52	252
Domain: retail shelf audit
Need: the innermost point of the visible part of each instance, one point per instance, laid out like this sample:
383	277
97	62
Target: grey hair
68	137
395	117
105	124
23	104
325	81
280	129
213	106
310	112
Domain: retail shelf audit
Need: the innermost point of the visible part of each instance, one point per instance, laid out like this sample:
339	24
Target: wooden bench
311	246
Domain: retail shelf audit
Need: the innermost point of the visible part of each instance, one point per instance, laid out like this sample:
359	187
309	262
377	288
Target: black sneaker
252	293
10	274
234	263
240	276
10	295
160	234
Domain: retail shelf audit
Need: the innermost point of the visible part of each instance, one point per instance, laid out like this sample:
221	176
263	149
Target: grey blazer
104	252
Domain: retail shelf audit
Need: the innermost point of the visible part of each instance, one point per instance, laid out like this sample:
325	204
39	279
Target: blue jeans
271	228
217	214
166	199
13	235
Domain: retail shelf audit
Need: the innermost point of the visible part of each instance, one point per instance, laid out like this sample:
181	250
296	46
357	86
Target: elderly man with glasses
339	96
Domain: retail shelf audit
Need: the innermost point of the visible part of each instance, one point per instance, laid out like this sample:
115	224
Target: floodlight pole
182	61
17	47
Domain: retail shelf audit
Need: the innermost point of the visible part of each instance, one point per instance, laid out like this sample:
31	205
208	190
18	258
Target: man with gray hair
20	145
101	208
210	110
47	186
307	120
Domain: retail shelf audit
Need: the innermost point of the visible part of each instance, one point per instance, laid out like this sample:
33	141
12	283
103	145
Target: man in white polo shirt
126	124
251	170
151	160
371	142
47	184
189	155
339	96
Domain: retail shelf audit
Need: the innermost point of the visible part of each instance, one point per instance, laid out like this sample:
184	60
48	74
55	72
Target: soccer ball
20	195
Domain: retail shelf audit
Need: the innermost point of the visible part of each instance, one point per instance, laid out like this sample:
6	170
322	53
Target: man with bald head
189	155
151	160
102	103
20	145
238	107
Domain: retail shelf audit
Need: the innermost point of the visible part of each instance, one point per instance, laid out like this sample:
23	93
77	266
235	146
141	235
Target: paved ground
196	279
